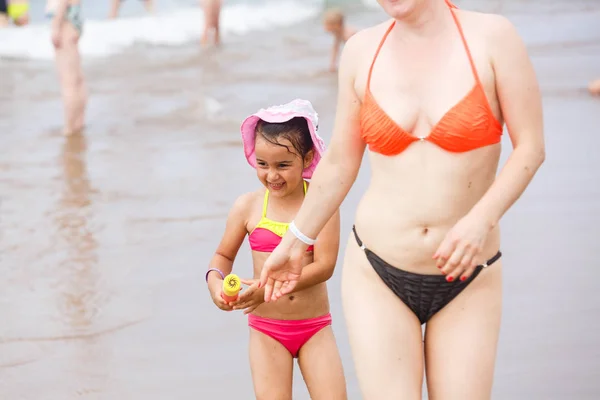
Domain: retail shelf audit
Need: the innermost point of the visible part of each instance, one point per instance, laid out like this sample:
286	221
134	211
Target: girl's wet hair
295	130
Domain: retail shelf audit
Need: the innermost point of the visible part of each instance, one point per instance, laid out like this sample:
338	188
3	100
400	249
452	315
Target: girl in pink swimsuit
282	144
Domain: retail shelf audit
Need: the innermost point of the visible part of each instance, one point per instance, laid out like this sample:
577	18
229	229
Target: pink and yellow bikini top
268	233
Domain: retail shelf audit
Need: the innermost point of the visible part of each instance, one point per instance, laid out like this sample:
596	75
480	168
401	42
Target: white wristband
301	236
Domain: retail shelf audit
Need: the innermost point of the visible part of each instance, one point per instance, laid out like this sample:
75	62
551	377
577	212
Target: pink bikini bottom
292	334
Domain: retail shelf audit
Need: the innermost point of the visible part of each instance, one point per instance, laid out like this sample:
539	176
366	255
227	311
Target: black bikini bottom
425	295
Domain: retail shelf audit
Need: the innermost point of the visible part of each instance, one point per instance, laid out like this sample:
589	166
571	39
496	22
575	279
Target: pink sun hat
283	113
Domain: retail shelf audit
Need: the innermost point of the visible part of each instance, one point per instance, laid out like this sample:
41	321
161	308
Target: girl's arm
233	237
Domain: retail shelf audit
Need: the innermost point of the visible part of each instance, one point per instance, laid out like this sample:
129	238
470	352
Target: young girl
281	142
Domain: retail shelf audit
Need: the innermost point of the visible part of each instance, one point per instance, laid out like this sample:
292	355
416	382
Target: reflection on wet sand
78	291
78	295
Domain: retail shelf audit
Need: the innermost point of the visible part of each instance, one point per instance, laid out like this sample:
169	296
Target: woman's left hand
458	254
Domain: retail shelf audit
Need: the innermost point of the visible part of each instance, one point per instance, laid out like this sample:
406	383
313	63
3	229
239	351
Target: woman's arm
339	167
330	182
521	105
325	256
520	101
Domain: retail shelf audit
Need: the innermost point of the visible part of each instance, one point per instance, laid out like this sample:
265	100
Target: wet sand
106	236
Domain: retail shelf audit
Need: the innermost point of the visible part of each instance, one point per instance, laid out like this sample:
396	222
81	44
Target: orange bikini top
468	125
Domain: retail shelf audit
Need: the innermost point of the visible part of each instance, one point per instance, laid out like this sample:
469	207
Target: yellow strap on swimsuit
278	228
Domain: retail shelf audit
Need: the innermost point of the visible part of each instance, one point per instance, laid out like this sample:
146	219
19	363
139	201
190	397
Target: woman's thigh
385	335
461	340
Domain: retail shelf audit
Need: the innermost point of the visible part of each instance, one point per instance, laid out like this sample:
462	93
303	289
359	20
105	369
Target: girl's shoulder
247	203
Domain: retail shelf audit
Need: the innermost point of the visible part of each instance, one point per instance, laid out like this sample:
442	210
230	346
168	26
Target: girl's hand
459	252
215	287
251	298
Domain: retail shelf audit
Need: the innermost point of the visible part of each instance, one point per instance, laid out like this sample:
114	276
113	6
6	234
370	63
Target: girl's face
277	168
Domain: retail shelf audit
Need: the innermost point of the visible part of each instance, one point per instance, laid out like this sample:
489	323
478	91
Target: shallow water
106	236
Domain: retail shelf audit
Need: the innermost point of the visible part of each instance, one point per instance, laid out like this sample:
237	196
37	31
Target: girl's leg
385	335
72	82
321	367
461	341
272	368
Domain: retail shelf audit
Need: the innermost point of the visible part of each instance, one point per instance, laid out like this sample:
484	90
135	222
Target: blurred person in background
116	4
334	22
66	29
594	88
212	13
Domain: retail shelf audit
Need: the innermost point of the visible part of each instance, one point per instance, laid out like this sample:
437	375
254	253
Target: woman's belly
308	303
414	200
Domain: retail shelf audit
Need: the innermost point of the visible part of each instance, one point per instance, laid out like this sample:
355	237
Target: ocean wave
102	38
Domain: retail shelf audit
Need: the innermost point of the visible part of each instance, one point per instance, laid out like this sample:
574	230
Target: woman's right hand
215	287
282	269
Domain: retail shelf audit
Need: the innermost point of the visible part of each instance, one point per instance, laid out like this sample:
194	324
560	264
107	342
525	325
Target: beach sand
105	237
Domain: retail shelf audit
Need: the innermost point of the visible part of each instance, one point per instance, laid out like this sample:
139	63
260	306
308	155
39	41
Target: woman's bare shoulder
360	49
488	25
366	39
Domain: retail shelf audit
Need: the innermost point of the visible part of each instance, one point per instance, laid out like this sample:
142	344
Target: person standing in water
116	5
66	29
212	15
428	91
594	87
334	22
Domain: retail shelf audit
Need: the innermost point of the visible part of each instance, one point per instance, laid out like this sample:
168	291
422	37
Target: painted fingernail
439	266
463	278
450	279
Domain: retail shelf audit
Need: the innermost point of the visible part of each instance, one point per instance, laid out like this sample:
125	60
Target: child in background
282	143
334	23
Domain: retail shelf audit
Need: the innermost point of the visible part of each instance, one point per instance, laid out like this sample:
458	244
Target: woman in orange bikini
429	101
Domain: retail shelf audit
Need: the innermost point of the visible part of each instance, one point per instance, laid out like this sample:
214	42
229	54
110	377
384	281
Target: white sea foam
102	38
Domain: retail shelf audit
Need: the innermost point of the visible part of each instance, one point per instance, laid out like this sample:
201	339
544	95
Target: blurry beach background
105	237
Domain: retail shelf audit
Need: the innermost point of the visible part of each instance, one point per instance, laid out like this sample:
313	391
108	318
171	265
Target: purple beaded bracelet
217	270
